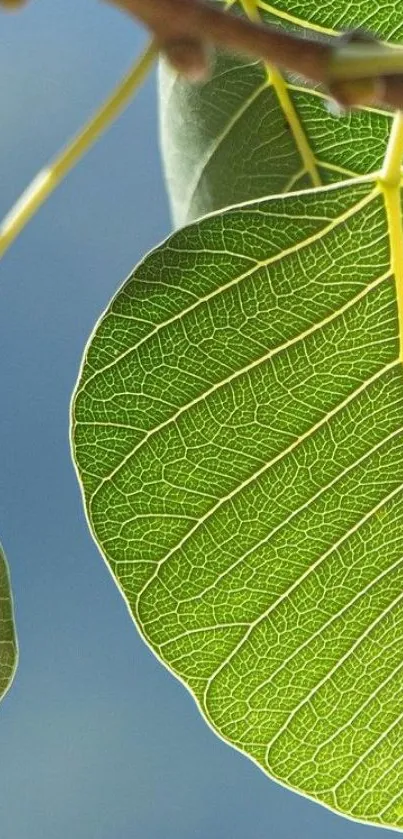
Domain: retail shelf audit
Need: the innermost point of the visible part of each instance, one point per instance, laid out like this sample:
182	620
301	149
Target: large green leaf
238	433
8	642
246	134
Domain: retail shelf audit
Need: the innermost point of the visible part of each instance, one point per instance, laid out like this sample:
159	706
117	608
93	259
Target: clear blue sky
97	740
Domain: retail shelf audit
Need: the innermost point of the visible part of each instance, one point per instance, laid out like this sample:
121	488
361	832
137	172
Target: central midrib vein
390	186
276	80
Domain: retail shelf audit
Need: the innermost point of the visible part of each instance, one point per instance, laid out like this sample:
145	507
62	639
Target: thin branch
195	20
48	178
357	70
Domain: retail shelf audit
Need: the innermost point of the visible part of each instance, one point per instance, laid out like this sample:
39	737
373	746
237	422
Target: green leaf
8	641
247	133
238	433
384	19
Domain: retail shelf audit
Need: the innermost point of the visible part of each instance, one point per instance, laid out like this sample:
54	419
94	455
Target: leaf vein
239	372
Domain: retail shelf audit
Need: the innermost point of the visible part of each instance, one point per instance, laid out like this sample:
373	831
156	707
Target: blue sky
97	740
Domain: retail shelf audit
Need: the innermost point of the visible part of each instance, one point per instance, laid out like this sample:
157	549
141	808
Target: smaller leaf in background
249	132
224	139
8	640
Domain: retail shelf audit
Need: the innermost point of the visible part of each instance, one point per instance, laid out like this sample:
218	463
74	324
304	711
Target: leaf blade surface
238	433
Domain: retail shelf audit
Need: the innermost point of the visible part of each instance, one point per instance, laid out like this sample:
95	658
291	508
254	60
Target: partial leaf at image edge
8	641
237	430
249	133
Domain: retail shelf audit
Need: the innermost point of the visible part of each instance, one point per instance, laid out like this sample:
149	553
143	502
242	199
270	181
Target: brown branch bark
196	20
183	28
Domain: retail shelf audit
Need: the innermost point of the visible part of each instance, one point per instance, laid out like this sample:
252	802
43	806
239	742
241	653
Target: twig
356	71
195	20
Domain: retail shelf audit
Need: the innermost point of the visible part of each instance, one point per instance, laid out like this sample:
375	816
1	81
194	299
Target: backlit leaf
238	434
